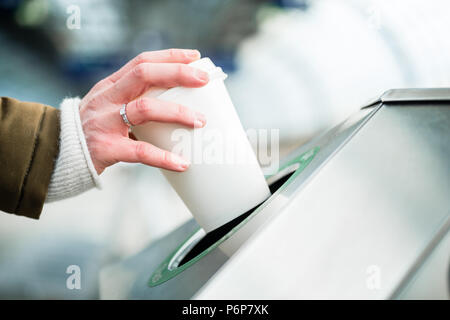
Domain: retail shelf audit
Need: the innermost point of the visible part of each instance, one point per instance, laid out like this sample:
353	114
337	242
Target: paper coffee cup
224	179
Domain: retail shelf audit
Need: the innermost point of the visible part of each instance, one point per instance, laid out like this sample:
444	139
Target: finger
146	75
146	153
147	109
169	55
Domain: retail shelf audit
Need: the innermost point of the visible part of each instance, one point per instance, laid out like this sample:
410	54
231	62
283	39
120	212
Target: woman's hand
107	134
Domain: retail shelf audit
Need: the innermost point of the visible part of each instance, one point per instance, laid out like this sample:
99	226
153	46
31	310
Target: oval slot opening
200	245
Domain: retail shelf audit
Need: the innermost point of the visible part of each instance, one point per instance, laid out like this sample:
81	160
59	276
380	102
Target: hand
106	133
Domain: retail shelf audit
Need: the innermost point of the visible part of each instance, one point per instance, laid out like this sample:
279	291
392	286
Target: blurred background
295	65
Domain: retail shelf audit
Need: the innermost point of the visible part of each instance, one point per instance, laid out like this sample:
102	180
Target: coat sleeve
29	134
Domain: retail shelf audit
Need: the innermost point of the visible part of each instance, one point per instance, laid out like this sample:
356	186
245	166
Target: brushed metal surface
375	206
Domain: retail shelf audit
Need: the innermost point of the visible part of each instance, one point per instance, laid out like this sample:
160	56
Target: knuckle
172	53
140	71
166	159
182	71
176	54
142	106
181	111
141	151
141	57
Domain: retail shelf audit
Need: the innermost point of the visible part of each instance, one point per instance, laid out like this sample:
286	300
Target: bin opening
213	236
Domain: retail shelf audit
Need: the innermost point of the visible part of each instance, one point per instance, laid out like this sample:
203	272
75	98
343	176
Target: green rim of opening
163	274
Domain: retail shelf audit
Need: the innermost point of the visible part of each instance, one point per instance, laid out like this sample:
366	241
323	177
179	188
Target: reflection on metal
372	203
184	250
412	95
282	173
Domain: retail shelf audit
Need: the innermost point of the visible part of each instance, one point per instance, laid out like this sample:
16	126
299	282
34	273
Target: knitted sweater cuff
74	171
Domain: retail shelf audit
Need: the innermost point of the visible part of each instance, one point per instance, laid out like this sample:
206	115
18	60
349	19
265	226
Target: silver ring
123	113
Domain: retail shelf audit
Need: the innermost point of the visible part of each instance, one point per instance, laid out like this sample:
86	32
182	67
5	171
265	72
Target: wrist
74	171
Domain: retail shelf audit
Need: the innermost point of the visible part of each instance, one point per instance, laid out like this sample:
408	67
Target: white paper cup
224	179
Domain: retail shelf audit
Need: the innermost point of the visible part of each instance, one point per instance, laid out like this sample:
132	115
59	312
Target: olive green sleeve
29	134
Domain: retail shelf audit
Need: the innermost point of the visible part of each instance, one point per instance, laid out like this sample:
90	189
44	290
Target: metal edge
411	95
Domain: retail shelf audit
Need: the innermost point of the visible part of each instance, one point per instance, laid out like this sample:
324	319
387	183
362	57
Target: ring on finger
123	113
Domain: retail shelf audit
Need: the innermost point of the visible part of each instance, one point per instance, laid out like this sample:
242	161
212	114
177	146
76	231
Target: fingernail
201	75
180	162
200	120
192	53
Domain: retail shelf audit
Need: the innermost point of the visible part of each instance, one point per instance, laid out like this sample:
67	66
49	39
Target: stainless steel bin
362	212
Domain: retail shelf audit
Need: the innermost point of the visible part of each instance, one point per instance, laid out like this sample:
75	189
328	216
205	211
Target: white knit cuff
74	171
